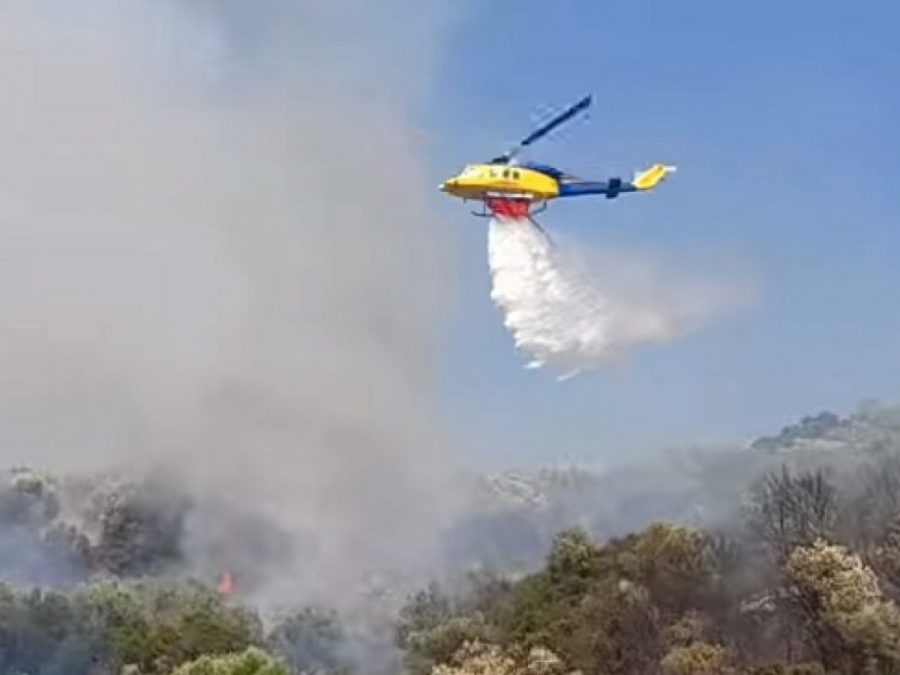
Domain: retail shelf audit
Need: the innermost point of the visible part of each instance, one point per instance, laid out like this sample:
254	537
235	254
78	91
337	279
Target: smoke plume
209	221
570	314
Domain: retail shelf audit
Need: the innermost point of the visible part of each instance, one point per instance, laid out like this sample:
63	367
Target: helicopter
513	190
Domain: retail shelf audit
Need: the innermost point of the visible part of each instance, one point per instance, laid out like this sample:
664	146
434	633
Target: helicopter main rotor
543	130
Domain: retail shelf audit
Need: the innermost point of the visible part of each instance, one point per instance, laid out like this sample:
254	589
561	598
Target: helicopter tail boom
643	180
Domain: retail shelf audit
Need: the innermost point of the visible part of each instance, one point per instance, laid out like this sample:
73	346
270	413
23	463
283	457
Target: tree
438	644
698	658
549	607
675	564
478	658
630	625
852	624
886	559
157	627
41	632
609	627
789	510
423	611
571	557
873	502
141	527
310	641
432	627
251	661
689	629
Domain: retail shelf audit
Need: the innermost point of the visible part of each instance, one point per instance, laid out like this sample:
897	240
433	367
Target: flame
226	583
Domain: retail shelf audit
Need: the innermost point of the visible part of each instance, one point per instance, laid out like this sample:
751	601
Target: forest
782	556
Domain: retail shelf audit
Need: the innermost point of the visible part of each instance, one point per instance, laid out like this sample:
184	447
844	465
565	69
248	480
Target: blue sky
783	119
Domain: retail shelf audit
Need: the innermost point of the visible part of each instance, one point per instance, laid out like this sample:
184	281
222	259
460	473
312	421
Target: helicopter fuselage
482	181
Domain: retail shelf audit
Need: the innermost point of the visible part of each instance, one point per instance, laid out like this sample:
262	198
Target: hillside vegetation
780	557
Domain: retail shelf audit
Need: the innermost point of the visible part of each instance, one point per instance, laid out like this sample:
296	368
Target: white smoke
570	315
215	253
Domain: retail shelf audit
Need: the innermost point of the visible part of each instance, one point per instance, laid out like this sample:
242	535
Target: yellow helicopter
512	190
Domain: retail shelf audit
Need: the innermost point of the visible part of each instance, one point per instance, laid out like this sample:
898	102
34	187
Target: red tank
515	209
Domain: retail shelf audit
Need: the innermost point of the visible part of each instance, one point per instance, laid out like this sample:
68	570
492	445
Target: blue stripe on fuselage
583	188
586	187
545	169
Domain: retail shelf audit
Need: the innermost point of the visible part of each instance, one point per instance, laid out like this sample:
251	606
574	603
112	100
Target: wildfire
226	583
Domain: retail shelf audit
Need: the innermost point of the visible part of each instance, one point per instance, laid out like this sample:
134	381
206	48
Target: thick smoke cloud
216	258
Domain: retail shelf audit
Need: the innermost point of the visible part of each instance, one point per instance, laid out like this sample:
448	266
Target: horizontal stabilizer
646	180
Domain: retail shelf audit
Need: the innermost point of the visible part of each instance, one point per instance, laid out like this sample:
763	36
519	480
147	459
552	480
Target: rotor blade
542	131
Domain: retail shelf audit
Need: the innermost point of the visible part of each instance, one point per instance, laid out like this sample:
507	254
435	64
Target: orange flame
226	583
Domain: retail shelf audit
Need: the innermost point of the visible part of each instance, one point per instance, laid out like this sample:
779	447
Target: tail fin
646	180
